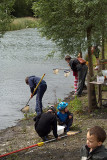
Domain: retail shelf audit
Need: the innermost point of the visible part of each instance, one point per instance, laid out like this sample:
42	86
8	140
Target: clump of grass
21	23
76	105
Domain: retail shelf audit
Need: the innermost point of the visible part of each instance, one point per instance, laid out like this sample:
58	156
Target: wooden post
99	95
89	91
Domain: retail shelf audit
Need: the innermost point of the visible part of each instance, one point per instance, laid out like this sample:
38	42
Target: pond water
23	53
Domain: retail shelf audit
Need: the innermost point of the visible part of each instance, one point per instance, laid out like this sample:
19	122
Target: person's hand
58	138
70	117
31	95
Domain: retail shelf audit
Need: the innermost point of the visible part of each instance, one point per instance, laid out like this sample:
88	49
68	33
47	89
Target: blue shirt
62	116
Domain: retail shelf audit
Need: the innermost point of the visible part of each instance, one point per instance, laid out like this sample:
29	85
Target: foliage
22	8
75	105
5	11
66	22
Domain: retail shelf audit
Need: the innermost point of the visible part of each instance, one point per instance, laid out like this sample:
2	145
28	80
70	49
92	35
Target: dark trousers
41	90
68	123
81	79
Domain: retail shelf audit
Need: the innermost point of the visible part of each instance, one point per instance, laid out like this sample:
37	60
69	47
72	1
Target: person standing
80	68
32	81
95	50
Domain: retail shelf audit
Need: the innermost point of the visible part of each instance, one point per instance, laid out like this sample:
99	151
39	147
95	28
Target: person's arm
55	127
70	115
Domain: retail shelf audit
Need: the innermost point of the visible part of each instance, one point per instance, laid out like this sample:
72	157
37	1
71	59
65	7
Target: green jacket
100	153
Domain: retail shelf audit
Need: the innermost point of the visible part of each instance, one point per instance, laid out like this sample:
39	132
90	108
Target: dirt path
24	135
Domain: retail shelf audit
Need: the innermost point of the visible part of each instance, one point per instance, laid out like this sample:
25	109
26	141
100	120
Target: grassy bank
21	23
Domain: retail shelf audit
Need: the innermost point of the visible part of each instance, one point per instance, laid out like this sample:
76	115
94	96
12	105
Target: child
64	116
94	150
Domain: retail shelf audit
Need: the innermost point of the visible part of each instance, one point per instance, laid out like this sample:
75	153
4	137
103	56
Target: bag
82	61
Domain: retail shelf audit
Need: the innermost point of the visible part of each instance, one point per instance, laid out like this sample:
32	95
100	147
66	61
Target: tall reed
21	23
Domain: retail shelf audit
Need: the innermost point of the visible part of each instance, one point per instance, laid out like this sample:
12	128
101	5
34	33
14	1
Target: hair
26	80
98	132
67	57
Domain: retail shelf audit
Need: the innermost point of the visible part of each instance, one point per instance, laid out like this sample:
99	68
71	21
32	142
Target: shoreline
23	135
18	121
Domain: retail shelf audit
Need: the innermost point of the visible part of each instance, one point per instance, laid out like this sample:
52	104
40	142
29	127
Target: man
46	122
32	81
80	69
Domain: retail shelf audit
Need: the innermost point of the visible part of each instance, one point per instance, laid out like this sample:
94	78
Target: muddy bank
23	135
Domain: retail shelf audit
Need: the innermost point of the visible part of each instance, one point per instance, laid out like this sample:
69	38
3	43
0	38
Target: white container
55	71
100	79
66	73
104	72
60	130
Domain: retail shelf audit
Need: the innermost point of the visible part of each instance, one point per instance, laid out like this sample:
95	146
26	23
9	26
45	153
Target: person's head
67	58
62	107
52	109
26	80
95	137
79	55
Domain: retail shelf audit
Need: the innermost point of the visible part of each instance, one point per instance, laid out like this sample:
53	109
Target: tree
5	14
23	8
73	25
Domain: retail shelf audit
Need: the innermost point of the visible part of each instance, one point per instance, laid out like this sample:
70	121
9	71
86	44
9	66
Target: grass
21	23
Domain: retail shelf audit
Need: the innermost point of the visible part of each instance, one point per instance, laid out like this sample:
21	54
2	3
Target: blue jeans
40	92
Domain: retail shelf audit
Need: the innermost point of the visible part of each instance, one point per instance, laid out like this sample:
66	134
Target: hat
52	108
62	106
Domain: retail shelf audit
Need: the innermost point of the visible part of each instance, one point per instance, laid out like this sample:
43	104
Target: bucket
100	79
104	72
60	130
55	71
66	73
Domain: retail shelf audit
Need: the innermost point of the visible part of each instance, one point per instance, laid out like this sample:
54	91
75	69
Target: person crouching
64	116
45	123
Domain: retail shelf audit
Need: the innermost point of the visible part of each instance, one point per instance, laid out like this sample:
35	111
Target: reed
22	23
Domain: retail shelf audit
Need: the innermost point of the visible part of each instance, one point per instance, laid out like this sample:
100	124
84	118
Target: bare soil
23	135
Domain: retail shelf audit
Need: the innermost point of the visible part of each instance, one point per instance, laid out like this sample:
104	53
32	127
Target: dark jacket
100	153
46	122
33	81
75	65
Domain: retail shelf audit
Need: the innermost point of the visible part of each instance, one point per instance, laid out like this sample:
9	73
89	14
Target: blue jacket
33	81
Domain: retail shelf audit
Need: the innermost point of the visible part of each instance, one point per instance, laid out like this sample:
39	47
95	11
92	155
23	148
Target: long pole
38	144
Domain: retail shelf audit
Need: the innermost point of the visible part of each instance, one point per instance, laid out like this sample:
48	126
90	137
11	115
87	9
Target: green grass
22	23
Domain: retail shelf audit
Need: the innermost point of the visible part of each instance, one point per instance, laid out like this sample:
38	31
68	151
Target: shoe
45	138
85	87
96	68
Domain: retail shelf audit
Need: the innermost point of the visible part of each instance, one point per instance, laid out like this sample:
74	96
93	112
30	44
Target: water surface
23	53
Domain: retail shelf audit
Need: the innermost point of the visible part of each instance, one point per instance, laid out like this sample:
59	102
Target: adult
46	122
80	69
95	50
32	81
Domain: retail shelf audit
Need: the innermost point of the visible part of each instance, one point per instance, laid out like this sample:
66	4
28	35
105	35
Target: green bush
75	105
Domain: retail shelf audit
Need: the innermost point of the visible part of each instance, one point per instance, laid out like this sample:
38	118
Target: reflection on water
22	53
